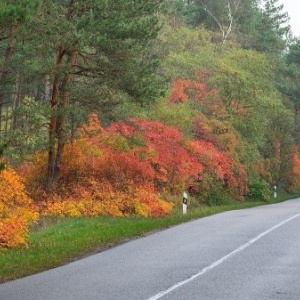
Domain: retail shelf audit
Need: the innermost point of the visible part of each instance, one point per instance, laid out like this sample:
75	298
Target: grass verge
58	241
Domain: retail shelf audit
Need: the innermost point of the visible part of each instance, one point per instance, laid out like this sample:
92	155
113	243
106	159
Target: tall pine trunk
4	73
59	105
53	120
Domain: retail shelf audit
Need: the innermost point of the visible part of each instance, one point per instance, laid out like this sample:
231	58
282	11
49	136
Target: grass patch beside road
57	241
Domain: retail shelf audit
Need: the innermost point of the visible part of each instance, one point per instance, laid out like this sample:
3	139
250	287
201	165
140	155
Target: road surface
239	255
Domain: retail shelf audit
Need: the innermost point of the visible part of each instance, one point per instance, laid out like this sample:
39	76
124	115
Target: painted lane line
220	261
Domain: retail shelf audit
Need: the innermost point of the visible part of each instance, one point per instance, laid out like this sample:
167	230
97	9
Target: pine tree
272	28
289	83
104	41
13	15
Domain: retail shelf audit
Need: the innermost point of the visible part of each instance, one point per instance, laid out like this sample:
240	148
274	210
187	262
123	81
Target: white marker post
274	191
184	203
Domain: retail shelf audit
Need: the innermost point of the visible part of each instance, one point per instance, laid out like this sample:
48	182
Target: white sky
293	9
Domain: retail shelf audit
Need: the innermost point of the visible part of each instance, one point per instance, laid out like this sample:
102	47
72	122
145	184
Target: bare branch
230	23
213	16
232	7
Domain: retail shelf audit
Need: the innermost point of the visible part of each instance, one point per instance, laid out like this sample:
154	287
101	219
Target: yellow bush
119	204
16	210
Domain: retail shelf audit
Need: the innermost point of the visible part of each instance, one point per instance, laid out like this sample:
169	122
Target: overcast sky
293	9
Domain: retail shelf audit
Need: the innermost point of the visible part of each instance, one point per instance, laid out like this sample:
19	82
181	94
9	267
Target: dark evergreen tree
289	83
272	29
13	15
102	47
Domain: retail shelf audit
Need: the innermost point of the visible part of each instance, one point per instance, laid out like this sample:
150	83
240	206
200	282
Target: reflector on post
184	203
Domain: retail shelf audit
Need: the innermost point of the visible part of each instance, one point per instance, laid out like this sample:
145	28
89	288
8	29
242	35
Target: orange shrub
121	170
119	204
166	153
16	210
294	176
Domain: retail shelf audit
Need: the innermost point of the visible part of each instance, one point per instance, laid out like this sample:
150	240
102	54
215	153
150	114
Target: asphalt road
251	254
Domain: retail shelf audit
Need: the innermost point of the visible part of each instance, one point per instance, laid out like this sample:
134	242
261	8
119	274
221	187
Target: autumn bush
180	162
139	202
17	212
102	173
166	153
122	170
294	174
215	142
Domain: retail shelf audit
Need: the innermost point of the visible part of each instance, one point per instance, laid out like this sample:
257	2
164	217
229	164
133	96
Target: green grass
56	241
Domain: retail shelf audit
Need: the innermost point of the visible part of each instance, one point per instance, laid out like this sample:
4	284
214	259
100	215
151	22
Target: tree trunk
53	120
61	118
47	89
5	72
59	104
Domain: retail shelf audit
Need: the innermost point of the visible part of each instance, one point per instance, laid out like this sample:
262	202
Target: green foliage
13	11
288	83
30	128
259	191
112	39
177	116
246	82
253	104
186	50
2	164
293	55
272	28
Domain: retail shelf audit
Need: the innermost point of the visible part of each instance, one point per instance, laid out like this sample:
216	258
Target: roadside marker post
184	203
274	191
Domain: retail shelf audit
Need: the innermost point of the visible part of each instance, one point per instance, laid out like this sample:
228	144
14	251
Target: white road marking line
220	261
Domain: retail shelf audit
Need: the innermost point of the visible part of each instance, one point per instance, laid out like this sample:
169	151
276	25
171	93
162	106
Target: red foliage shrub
166	152
101	174
121	170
